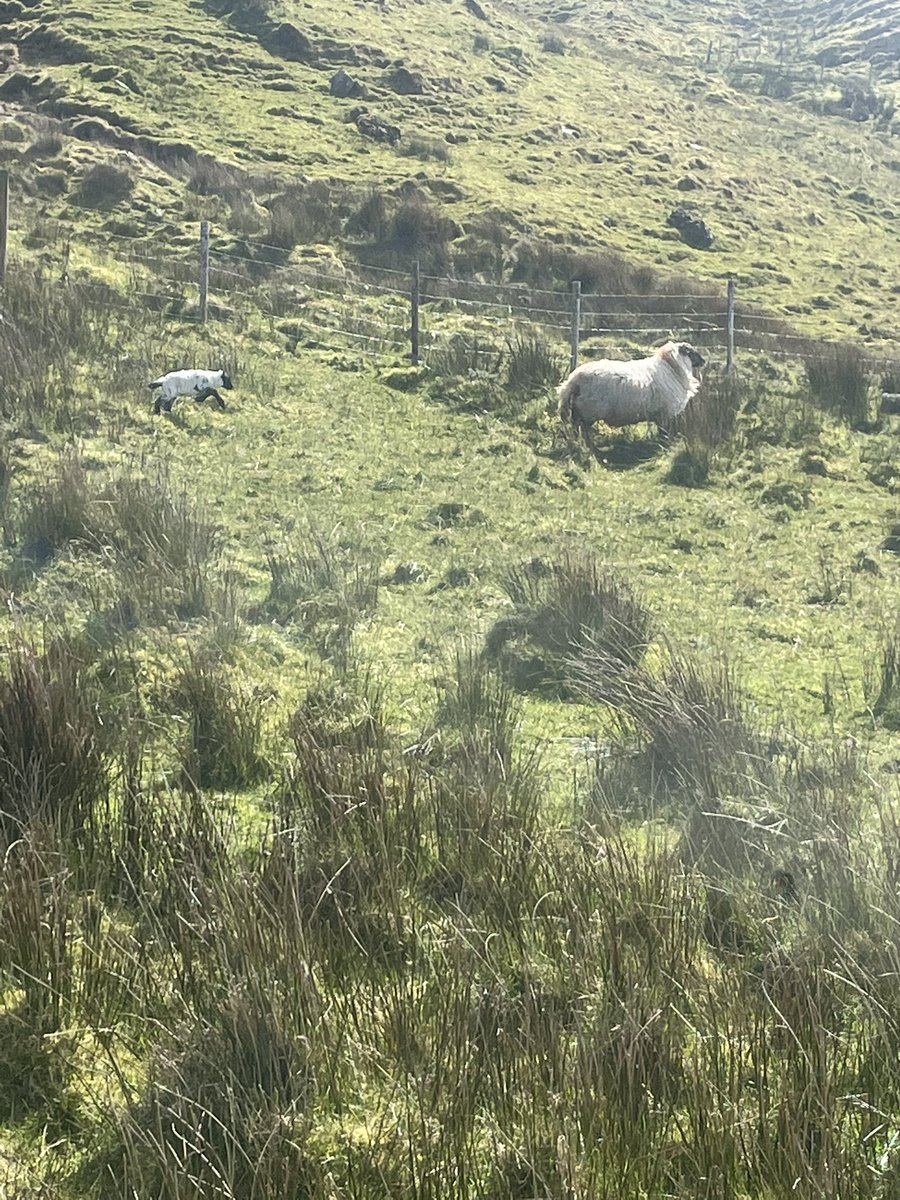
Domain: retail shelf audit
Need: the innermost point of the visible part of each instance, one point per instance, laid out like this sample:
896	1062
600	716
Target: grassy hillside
398	797
585	129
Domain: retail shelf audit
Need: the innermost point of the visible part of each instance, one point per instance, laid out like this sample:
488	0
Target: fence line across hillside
381	311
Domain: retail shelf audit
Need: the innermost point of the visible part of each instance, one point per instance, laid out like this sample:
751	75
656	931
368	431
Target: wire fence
380	312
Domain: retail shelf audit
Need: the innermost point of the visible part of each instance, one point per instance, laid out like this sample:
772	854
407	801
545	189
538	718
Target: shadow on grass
624	453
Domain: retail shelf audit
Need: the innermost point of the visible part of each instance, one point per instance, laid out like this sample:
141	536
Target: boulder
404	82
289	42
369	125
344	86
20	86
692	230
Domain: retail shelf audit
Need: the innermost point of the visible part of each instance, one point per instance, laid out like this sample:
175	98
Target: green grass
339	859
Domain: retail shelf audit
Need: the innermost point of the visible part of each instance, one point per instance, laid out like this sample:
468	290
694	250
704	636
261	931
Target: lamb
199	384
657	388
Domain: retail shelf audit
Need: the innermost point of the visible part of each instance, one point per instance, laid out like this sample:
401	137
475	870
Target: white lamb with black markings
198	384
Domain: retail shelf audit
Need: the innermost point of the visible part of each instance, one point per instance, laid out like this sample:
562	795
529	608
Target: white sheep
619	393
199	384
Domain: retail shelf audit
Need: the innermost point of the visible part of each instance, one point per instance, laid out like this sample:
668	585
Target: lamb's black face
226	382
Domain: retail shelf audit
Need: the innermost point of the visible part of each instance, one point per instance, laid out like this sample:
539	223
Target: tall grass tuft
51	768
483	799
55	512
222	1110
533	365
884	683
839	381
46	330
164	544
561	609
222	747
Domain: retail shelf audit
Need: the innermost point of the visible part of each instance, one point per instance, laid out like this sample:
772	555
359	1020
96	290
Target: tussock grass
561	609
840	382
51	767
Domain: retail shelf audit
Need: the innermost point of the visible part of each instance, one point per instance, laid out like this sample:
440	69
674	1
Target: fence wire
369	309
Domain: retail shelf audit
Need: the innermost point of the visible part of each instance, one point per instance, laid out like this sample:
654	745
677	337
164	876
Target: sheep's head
692	359
226	382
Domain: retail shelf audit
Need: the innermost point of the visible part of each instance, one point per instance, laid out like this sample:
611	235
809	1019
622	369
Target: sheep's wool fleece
657	388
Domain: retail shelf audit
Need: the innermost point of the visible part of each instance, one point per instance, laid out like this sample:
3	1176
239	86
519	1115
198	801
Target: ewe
657	388
198	384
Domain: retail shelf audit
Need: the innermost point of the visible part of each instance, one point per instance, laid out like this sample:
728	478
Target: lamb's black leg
210	392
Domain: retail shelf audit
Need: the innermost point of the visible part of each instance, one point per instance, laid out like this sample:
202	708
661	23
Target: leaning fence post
204	271
4	220
576	322
729	329
414	315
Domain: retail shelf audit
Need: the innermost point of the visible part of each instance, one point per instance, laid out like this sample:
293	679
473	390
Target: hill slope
578	126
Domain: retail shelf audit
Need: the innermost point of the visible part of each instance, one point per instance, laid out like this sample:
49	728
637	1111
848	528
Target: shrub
103	186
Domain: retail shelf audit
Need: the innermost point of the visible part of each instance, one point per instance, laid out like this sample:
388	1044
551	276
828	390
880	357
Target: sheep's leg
206	393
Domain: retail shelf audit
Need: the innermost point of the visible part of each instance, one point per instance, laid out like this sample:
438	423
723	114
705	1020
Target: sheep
199	384
657	388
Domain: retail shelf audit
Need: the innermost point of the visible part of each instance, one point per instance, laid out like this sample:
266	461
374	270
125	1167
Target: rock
287	41
93	129
473	7
344	86
20	86
404	82
377	128
688	184
890	404
693	231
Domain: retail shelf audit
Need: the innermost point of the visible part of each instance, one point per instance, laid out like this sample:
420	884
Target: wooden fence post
414	315
4	220
576	322
204	271
729	329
